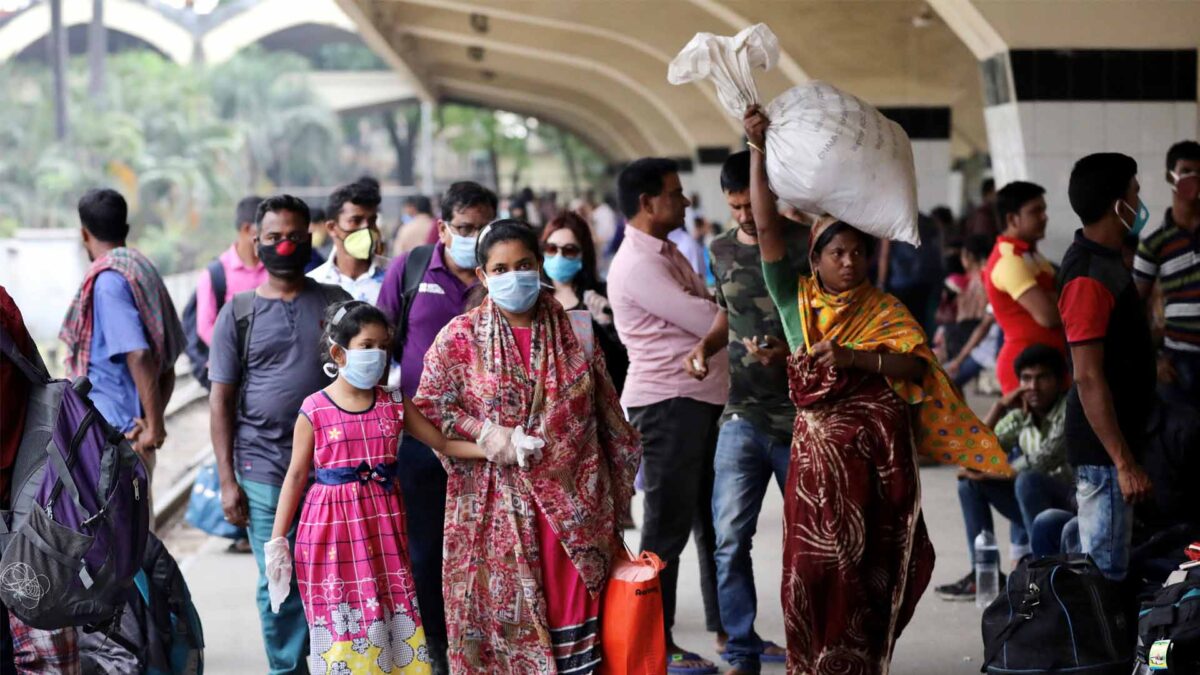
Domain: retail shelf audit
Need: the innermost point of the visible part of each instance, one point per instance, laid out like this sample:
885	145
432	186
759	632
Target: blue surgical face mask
1141	216
562	269
364	367
462	251
515	291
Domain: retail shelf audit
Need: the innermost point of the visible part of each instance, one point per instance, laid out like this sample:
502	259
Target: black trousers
679	441
423	482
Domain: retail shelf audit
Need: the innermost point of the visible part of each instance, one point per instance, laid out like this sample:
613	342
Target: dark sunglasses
568	250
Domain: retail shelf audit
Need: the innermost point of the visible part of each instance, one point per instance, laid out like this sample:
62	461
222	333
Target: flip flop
763	657
772	658
680	657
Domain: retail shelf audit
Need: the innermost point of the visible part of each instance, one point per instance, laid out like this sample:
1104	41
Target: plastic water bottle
987	568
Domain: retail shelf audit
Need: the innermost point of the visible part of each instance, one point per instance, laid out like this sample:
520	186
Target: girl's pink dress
352	563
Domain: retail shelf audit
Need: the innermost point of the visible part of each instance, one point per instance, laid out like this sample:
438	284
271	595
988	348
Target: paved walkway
943	638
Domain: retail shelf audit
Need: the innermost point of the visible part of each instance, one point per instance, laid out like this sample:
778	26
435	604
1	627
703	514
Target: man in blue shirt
132	373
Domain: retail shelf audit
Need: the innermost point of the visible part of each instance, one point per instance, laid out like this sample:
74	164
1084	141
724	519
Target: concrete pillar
426	150
929	130
707	183
1047	108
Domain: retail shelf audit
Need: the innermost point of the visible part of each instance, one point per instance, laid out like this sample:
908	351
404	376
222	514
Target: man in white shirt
353	212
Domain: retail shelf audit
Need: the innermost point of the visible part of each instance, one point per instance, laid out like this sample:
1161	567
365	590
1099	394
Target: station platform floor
943	639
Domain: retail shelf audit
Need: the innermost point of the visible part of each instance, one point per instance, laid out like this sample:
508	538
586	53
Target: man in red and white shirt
1020	281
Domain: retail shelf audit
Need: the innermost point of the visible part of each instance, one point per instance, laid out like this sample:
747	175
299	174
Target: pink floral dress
352	563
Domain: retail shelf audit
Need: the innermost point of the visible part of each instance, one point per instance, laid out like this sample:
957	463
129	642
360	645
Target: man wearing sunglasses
1170	256
419	302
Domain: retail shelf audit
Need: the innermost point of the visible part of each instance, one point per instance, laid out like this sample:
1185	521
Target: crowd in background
541	352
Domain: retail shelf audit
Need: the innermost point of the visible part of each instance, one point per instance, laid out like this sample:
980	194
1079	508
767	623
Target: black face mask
288	262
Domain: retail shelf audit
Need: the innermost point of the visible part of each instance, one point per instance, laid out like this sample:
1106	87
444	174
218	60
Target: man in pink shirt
661	310
243	271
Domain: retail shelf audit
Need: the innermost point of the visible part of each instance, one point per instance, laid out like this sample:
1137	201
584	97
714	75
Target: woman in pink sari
530	525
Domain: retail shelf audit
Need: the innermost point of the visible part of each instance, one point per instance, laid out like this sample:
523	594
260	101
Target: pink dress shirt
238	278
662	310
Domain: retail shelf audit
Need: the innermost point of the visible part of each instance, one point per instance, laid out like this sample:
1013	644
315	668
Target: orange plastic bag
632	641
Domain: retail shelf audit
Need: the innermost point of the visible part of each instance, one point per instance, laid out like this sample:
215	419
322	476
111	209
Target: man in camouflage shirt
756	430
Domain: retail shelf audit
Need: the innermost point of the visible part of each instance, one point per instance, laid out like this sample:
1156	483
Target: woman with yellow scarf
869	396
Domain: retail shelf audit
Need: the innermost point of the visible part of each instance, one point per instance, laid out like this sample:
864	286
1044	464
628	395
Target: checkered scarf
157	312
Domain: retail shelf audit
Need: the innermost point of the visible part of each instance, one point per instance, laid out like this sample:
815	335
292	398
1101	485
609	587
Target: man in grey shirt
256	394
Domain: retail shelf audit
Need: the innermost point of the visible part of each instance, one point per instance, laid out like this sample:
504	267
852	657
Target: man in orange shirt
1020	281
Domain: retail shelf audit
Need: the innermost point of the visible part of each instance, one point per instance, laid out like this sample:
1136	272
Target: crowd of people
434	454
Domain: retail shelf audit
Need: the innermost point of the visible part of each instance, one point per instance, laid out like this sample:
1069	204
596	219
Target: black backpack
196	350
1058	615
1169	625
415	266
159	631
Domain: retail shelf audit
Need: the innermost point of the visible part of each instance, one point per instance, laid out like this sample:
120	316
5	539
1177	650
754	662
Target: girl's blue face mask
515	291
364	367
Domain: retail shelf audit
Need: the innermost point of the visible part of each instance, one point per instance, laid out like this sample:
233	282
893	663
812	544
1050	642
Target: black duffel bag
1169	626
1058	615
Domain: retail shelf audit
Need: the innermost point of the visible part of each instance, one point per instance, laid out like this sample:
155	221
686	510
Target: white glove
279	571
496	442
528	448
599	307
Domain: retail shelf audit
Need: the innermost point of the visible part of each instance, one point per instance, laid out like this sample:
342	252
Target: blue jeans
746	460
969	370
1186	387
285	635
977	497
423	487
1054	531
1105	520
1038	492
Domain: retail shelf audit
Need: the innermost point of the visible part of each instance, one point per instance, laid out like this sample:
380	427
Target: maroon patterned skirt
856	553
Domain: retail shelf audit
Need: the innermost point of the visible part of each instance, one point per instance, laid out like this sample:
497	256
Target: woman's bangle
755	146
879	366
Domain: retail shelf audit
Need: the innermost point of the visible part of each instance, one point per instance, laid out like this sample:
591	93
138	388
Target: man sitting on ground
1029	424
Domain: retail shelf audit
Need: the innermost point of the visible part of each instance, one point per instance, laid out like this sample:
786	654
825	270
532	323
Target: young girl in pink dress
351	557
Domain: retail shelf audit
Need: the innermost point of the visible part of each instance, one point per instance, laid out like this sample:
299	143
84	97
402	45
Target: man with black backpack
236	270
422	292
265	360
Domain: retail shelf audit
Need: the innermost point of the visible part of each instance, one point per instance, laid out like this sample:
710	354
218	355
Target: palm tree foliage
182	143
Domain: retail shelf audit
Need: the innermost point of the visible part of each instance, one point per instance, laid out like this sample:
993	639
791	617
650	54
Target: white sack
827	151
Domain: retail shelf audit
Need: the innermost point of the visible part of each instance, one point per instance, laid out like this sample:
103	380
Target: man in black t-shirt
1110	403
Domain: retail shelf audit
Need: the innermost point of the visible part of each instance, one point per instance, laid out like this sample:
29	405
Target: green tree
182	143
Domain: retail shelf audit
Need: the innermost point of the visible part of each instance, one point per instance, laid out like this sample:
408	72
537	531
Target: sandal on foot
675	664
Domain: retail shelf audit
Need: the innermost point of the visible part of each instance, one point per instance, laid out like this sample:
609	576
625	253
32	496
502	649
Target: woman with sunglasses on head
570	265
531	526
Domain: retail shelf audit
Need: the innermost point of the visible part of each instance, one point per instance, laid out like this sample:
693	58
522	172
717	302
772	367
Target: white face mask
364	367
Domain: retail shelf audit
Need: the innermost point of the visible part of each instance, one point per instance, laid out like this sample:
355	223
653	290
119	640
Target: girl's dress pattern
352	563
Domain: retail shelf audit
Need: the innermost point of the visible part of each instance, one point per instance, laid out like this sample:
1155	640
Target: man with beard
754	444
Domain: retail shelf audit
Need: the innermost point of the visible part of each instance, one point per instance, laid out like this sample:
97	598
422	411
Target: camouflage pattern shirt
757	393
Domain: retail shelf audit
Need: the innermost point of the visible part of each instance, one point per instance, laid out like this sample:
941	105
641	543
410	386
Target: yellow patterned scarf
867	319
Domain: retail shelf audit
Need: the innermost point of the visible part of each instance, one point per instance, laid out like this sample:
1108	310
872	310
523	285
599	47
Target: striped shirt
1171	256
